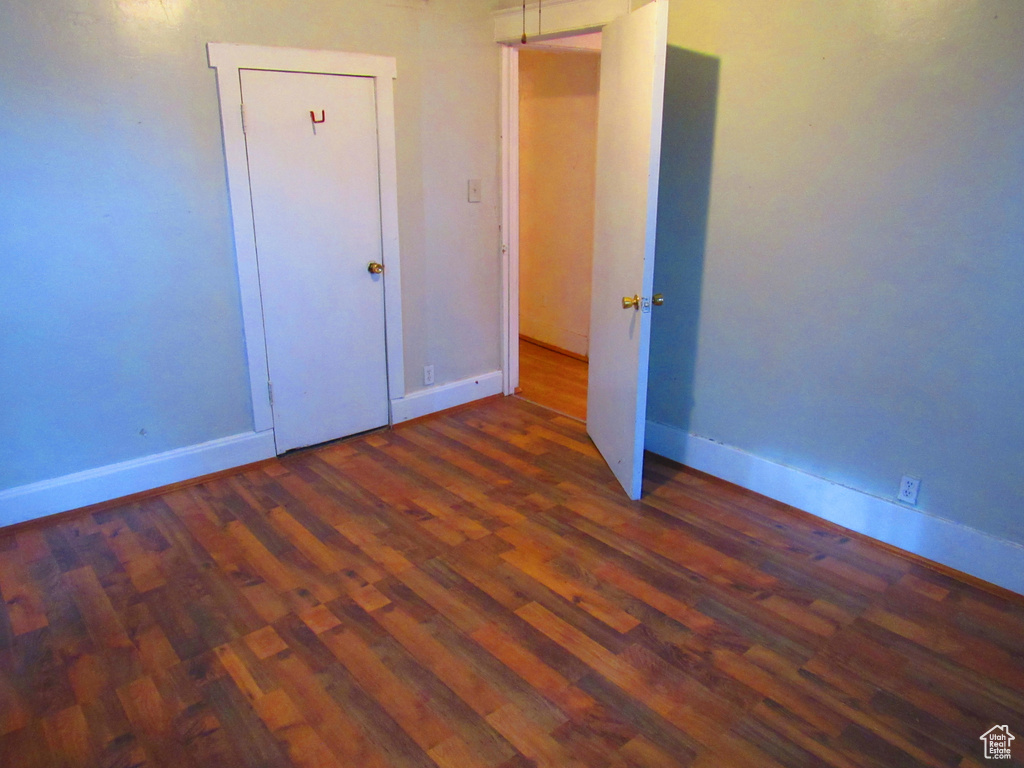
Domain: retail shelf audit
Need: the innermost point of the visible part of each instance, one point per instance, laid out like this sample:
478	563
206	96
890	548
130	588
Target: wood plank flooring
473	590
554	380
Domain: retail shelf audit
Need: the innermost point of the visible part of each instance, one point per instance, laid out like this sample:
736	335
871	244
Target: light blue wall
120	328
859	283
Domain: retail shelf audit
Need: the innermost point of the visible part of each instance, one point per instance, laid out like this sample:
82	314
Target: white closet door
312	150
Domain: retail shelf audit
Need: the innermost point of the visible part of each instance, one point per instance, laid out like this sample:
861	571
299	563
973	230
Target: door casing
228	59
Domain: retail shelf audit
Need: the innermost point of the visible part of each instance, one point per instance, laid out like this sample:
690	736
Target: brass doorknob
374	268
631	301
657	299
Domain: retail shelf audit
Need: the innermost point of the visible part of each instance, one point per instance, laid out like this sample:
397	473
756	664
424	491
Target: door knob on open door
657	299
631	302
374	268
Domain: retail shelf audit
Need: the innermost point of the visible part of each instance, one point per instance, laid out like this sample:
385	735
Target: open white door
625	213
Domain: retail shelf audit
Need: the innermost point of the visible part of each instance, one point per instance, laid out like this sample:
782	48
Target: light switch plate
474	190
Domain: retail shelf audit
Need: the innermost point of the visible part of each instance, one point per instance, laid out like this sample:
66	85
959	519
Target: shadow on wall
687	143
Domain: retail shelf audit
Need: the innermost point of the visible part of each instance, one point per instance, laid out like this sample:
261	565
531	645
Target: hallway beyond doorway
552	379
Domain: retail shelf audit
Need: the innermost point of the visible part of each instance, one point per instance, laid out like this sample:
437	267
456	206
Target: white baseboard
28	502
435	399
49	497
954	545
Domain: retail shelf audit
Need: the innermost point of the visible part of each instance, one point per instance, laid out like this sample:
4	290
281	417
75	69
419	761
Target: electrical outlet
428	375
908	489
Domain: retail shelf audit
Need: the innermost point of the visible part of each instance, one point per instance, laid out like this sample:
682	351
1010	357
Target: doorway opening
631	93
558	84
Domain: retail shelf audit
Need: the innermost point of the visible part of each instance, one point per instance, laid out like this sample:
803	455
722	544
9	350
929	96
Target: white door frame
510	218
571	17
228	59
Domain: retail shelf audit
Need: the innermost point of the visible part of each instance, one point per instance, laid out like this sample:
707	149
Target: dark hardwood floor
554	380
474	590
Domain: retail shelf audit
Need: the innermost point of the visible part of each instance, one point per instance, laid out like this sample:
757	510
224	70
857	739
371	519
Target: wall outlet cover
909	487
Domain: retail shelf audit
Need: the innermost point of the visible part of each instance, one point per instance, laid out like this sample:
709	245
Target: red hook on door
312	116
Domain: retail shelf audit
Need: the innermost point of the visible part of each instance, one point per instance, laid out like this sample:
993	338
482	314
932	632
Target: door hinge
270	393
245	127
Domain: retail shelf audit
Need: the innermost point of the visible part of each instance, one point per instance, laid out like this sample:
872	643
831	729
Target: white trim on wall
510	217
586	41
966	549
28	502
428	401
556	17
228	59
93	486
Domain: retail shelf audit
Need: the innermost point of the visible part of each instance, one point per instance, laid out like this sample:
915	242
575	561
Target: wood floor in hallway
474	590
554	380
